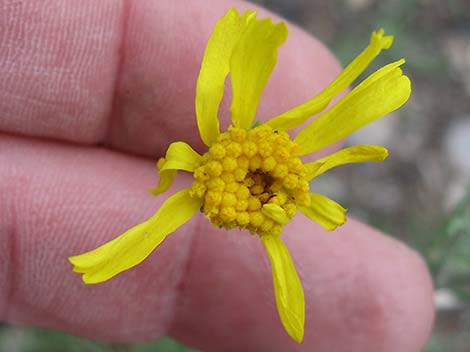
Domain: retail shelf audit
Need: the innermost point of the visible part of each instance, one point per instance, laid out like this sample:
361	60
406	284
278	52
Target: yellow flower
252	176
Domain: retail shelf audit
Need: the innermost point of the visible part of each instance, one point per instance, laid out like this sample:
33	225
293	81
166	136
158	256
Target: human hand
83	84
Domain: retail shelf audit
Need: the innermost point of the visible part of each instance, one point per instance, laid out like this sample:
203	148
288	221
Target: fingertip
374	292
363	291
414	299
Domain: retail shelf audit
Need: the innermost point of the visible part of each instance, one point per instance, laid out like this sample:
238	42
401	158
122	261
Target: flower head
252	180
252	176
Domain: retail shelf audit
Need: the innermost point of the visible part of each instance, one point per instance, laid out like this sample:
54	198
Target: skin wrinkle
193	254
11	230
351	304
133	100
10	291
137	115
178	289
59	44
9	261
184	264
125	7
29	310
257	317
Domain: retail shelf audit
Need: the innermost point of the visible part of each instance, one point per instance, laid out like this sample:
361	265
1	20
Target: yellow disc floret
243	171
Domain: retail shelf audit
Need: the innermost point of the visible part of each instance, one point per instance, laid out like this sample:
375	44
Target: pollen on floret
243	218
248	181
264	197
233	149
213	198
276	230
291	181
269	164
227	177
264	149
244	170
217	151
295	165
228	214
243	192
249	148
240	174
214	168
237	134
281	171
229	164
200	174
255	163
243	163
256	218
266	225
198	189
256	190
231	187
254	204
303	199
229	199
278	199
242	204
290	209
303	187
216	184
281	154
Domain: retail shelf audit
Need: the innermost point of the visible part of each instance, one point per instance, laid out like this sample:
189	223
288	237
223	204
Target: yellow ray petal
287	287
214	70
179	156
382	92
136	244
252	61
166	179
276	213
354	154
324	211
301	113
84	263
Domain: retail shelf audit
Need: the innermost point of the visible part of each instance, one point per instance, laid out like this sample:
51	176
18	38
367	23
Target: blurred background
422	193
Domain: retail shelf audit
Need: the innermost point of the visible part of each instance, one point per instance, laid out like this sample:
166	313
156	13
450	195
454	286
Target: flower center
246	172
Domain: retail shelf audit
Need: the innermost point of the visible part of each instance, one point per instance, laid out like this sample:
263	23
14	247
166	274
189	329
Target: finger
124	73
208	287
58	201
363	292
